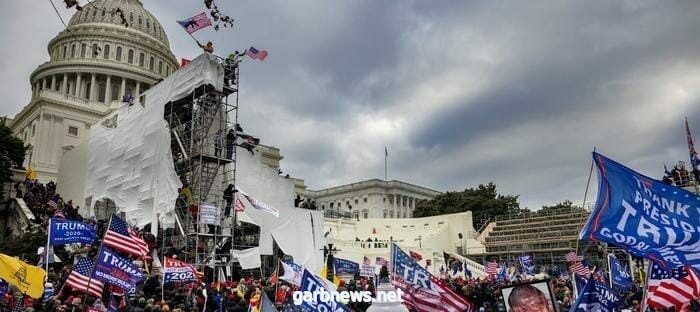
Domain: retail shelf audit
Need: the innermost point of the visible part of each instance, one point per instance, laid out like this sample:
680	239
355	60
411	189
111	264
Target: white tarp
298	232
248	258
132	163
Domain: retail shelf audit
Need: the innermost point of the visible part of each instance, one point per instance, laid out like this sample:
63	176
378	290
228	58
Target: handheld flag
644	217
179	271
255	54
195	23
111	268
380	261
672	288
79	278
694	158
122	237
572	257
184	61
345	266
621	277
27	278
260	205
67	232
311	283
526	263
292	273
595	297
4	288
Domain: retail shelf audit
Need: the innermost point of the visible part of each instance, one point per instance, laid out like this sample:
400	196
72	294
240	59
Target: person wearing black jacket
228	197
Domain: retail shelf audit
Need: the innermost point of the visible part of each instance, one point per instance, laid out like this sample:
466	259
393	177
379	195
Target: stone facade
92	65
371	199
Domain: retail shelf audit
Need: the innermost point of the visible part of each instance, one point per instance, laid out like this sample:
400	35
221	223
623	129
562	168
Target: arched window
95	50
140	20
119	53
160	67
72	51
148	23
94	12
141	59
106	51
130	57
151	63
82	50
131	18
104	13
65	50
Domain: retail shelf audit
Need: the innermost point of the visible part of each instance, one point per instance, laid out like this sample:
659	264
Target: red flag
273	278
239	207
184	62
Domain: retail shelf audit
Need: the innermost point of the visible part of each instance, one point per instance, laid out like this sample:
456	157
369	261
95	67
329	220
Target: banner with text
177	271
113	269
311	284
368	270
64	232
645	217
345	266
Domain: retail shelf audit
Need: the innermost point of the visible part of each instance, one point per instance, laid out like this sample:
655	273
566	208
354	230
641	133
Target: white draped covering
132	163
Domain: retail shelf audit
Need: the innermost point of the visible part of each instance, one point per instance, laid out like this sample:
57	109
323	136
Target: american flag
572	257
239	207
255	54
52	203
195	23
421	290
123	238
672	288
580	268
492	268
380	261
78	278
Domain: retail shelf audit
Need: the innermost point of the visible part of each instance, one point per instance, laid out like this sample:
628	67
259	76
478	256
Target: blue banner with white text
113	269
645	217
595	297
345	266
68	232
621	277
319	300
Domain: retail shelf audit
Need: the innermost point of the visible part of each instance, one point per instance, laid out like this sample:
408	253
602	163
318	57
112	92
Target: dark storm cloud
462	92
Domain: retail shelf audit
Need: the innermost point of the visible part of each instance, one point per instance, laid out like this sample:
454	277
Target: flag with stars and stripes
19	305
491	268
572	257
289	306
52	204
672	288
581	268
79	278
122	237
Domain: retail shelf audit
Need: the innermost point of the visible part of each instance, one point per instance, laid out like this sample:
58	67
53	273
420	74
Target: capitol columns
108	90
64	84
137	94
93	82
78	85
122	89
53	82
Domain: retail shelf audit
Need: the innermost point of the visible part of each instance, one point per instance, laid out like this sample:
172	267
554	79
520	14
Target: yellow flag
28	278
31	174
323	274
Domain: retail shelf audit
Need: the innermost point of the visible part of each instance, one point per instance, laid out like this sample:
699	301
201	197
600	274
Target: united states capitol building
92	65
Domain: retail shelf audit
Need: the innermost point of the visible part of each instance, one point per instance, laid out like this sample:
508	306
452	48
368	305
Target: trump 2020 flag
345	266
526	263
595	297
63	232
111	268
645	217
312	284
179	271
621	277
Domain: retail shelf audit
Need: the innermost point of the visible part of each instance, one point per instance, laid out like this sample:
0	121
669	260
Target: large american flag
79	278
123	238
421	290
669	288
195	23
580	268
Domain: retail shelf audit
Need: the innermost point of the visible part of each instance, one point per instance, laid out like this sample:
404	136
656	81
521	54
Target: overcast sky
461	92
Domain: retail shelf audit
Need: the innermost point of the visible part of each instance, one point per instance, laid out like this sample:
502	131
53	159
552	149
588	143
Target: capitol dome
97	59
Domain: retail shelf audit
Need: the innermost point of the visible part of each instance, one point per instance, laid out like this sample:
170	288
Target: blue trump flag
645	217
595	297
113	269
63	232
320	300
621	278
526	263
4	287
345	266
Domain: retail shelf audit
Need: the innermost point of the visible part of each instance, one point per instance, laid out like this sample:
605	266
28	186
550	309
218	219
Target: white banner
209	214
368	270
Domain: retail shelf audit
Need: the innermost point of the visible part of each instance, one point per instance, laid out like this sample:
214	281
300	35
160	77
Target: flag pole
646	287
92	272
585	195
46	254
610	279
386	155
